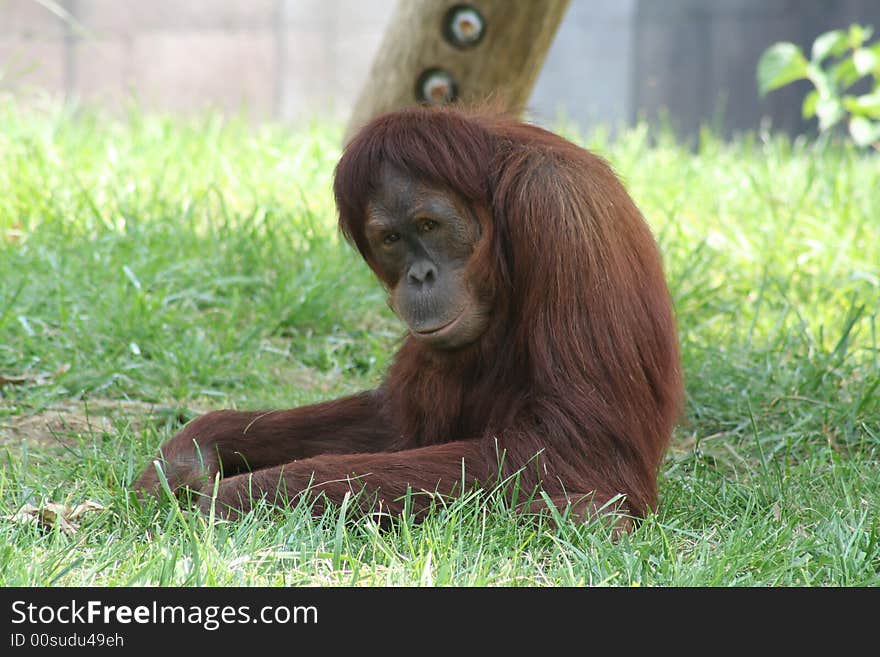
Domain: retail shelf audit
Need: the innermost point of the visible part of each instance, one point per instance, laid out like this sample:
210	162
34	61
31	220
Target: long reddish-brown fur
574	387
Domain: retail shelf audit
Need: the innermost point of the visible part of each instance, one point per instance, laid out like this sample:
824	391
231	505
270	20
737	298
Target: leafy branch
838	60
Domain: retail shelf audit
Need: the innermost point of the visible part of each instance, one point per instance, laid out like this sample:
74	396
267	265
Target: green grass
187	265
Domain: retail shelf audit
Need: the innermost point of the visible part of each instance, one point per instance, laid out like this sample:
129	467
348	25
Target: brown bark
502	65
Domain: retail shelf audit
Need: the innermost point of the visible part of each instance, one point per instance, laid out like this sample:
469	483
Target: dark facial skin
421	238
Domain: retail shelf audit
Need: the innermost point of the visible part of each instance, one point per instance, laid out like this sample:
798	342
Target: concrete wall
587	76
291	59
612	61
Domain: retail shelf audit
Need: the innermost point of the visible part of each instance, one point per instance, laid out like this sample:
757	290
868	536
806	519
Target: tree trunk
440	51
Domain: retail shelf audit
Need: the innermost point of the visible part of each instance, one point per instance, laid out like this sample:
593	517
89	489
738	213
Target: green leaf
808	109
867	105
830	111
830	43
858	34
780	64
865	60
823	81
864	131
845	73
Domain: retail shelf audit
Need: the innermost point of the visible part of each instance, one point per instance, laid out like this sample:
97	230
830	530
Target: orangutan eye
428	225
391	238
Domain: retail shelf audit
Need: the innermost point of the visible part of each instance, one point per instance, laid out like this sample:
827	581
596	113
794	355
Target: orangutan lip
440	330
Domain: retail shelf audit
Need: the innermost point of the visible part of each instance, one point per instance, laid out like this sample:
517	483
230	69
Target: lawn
154	268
